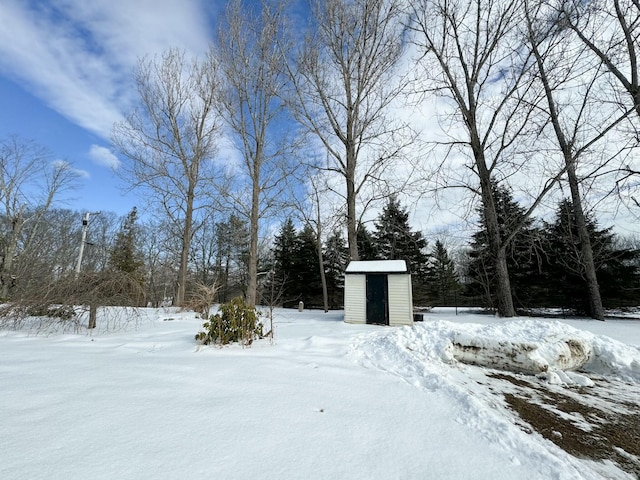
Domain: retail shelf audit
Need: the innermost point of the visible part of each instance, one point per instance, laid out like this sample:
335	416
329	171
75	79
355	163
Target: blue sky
65	76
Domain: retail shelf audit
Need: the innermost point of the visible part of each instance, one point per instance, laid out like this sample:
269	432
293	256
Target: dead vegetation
600	423
202	298
64	305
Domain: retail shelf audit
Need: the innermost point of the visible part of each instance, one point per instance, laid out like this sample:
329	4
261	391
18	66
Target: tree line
295	274
545	264
543	260
281	114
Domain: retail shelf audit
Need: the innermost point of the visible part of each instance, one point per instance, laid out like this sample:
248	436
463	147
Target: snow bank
611	357
427	357
546	347
526	346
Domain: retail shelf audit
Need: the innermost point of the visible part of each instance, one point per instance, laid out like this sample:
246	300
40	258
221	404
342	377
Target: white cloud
104	157
78	56
82	173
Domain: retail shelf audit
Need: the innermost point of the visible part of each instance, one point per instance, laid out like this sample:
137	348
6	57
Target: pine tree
307	285
394	240
444	285
125	256
366	243
522	255
233	257
336	258
616	267
296	273
284	246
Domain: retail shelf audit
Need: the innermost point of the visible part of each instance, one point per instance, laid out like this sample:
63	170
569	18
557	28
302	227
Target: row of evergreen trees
296	274
544	261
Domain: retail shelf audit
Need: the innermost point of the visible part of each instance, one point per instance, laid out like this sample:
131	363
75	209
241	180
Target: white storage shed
379	292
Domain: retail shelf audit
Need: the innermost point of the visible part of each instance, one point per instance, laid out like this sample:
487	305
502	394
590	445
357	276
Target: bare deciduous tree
29	183
346	80
312	212
610	29
470	56
48	248
254	78
170	140
573	81
157	250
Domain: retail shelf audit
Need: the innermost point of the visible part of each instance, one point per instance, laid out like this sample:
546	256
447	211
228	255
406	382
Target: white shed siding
355	298
400	300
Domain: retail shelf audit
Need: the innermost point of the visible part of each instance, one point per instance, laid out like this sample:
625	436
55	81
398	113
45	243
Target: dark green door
377	299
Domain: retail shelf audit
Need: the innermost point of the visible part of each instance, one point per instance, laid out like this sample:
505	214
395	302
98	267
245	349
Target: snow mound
549	348
522	348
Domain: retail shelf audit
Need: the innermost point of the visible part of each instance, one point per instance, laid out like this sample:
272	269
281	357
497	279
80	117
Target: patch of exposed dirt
599	423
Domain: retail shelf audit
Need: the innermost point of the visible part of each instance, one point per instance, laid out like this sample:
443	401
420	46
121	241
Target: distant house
378	292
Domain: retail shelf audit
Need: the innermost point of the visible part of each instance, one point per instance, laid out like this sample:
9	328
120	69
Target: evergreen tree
522	255
394	240
366	243
125	256
296	270
284	246
336	258
393	236
307	284
616	267
444	285
126	265
232	259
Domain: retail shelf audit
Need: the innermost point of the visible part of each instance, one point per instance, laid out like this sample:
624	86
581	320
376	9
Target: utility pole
85	227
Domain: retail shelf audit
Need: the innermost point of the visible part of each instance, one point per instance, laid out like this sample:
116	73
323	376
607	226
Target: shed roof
377	266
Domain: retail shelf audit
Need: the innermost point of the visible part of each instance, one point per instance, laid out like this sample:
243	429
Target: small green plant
235	322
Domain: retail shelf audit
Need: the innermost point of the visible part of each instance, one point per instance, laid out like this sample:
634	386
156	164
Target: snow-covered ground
325	400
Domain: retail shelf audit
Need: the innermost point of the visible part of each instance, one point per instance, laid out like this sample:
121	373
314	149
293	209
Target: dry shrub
202	298
63	304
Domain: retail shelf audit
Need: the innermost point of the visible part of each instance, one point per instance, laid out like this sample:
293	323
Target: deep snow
324	400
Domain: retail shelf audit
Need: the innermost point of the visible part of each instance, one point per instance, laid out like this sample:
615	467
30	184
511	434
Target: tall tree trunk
227	267
496	247
219	275
186	245
323	276
503	292
9	254
93	315
586	250
252	289
352	223
567	147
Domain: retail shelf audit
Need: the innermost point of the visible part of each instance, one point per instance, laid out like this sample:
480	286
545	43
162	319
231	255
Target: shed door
377	299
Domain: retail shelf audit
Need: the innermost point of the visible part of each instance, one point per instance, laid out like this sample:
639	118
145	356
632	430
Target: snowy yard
326	400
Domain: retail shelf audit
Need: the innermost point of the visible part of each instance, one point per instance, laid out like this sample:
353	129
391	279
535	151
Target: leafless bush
202	298
71	304
271	296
